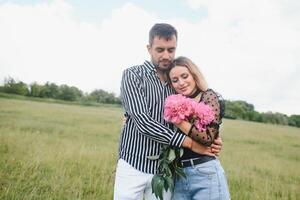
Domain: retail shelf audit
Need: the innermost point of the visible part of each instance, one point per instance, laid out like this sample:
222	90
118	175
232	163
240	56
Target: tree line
234	109
245	111
54	91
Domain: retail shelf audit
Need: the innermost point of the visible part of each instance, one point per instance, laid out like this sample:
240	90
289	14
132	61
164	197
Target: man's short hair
162	30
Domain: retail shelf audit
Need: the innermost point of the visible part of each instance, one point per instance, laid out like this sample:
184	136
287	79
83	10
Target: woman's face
182	80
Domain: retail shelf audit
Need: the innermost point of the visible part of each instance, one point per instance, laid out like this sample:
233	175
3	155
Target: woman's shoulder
211	94
215	100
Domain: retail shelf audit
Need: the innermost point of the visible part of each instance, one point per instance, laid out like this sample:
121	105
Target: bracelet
191	129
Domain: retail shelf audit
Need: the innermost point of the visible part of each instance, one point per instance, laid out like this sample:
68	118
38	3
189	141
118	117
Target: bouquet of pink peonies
179	108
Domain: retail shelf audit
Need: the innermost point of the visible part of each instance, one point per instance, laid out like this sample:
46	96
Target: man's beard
163	68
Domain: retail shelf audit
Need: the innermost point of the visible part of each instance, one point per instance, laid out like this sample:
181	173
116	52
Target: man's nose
166	55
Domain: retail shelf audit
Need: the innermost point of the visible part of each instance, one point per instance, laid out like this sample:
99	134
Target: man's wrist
187	143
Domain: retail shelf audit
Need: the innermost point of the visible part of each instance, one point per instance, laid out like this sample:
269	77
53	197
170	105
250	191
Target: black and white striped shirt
143	96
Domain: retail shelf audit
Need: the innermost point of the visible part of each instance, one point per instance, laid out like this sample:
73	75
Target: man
143	91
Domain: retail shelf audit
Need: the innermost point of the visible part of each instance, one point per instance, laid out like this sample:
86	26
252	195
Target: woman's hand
216	147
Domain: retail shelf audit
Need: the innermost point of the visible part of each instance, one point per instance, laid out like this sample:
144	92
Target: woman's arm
214	148
217	104
203	137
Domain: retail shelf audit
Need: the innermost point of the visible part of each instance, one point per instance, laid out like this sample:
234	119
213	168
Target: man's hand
196	147
124	120
201	149
216	147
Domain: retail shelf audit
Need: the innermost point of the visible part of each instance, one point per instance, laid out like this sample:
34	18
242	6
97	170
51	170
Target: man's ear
148	48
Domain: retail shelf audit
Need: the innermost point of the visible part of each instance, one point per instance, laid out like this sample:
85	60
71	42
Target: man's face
162	52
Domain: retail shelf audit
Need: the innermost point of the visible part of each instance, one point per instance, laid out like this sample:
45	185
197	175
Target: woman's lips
183	89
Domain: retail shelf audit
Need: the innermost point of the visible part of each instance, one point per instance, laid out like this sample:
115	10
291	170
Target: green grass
60	151
55	151
261	160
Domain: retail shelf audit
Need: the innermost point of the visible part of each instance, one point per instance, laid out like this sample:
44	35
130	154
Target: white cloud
252	50
247	51
45	42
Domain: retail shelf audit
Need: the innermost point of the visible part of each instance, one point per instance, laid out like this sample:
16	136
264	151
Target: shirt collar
151	69
149	66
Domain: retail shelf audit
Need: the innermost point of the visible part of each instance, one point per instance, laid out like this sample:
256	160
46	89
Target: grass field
61	151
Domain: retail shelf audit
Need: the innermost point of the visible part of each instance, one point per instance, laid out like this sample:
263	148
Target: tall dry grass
59	151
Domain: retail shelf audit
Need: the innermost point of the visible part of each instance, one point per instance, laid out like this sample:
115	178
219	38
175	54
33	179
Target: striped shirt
143	96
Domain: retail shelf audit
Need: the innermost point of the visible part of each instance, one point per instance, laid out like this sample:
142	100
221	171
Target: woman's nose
181	82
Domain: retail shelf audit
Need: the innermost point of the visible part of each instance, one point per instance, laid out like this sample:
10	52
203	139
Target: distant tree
275	118
294	120
50	90
229	110
244	105
69	93
236	109
102	96
35	90
281	118
268	117
118	100
245	111
11	86
254	116
54	90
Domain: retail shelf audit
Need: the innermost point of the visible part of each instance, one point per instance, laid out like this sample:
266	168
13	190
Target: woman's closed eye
184	76
174	80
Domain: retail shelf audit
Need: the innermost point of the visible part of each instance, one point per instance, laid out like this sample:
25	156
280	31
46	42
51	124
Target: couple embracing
144	89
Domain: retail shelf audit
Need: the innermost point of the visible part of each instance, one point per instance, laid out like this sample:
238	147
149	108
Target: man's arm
216	145
133	99
197	148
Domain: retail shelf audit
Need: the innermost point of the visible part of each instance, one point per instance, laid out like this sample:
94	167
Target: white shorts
132	184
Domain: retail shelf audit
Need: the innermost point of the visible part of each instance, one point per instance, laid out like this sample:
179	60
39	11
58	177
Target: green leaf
153	157
179	171
181	152
167	167
169	183
166	170
157	184
160	187
165	154
160	193
154	184
171	155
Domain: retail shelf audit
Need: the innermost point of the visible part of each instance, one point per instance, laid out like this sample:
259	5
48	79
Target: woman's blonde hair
194	70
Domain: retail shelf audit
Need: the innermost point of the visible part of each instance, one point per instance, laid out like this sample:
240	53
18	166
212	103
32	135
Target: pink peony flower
204	116
178	108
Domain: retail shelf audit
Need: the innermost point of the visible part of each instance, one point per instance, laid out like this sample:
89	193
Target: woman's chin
185	93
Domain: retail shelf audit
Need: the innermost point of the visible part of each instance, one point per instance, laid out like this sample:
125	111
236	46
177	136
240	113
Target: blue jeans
205	181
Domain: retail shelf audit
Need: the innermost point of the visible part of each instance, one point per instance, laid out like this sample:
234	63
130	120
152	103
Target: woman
205	178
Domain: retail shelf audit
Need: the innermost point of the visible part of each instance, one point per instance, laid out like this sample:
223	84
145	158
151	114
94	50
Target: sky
248	50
